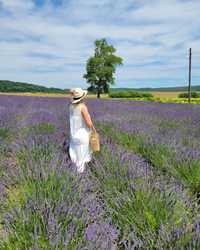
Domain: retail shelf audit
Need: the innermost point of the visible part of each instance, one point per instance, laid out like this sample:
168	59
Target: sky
48	42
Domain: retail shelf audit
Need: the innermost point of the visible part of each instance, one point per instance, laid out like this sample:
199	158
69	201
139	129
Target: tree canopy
101	67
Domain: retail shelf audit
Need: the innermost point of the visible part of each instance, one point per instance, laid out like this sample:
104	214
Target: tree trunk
98	92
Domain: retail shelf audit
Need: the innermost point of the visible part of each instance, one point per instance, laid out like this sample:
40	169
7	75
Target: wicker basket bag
94	141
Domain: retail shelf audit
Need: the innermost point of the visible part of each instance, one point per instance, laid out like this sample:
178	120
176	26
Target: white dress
79	147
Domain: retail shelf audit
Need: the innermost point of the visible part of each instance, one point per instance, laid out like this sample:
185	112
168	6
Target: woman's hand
94	129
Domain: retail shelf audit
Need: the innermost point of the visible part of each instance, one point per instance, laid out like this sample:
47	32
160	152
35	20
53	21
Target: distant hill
165	89
10	86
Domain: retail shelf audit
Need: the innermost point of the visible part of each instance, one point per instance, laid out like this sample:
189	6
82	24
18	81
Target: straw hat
79	94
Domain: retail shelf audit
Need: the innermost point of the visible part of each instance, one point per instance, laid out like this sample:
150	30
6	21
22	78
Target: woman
80	127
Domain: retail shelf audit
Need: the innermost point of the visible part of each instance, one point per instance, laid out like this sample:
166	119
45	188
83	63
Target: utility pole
190	68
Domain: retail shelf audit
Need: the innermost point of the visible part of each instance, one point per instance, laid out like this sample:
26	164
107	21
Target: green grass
162	99
6	134
160	156
189	172
130	94
40	193
39	129
136	204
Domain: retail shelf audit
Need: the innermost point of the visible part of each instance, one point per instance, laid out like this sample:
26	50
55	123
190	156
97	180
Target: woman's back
76	119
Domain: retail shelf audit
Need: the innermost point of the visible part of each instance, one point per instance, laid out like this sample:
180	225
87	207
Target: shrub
129	94
193	95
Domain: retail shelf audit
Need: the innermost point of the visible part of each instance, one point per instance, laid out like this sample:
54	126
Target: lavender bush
140	192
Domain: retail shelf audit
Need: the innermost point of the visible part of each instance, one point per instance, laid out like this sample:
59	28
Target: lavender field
140	192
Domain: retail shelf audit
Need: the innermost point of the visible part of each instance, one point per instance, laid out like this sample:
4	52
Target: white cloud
51	43
16	6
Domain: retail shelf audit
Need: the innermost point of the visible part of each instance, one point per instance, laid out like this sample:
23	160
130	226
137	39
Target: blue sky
48	41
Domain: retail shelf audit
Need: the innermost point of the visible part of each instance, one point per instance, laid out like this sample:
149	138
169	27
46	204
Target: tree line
10	86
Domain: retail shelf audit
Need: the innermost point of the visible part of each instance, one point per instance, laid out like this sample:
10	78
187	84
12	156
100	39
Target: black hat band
76	98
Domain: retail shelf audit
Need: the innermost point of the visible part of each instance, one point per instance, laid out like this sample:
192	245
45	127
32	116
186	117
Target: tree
101	67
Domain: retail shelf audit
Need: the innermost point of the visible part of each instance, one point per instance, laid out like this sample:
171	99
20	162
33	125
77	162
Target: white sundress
79	147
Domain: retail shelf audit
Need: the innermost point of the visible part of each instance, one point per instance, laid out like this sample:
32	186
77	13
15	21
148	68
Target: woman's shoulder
82	104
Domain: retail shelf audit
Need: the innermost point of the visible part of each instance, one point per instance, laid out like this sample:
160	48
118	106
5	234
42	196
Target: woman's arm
87	118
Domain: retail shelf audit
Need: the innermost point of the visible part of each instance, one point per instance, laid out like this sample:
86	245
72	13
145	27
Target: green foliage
5	134
189	171
135	203
101	67
193	95
164	100
45	193
177	100
40	129
129	94
40	154
160	156
10	86
37	203
6	137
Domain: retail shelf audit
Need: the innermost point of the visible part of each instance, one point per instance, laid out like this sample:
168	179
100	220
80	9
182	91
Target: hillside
10	86
165	89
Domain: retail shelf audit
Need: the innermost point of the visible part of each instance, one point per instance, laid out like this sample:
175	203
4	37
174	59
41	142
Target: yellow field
48	94
165	94
155	94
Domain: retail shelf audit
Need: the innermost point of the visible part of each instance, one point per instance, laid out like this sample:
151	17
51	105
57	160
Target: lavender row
52	113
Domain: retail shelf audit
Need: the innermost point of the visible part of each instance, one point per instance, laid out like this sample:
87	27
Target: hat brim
82	97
